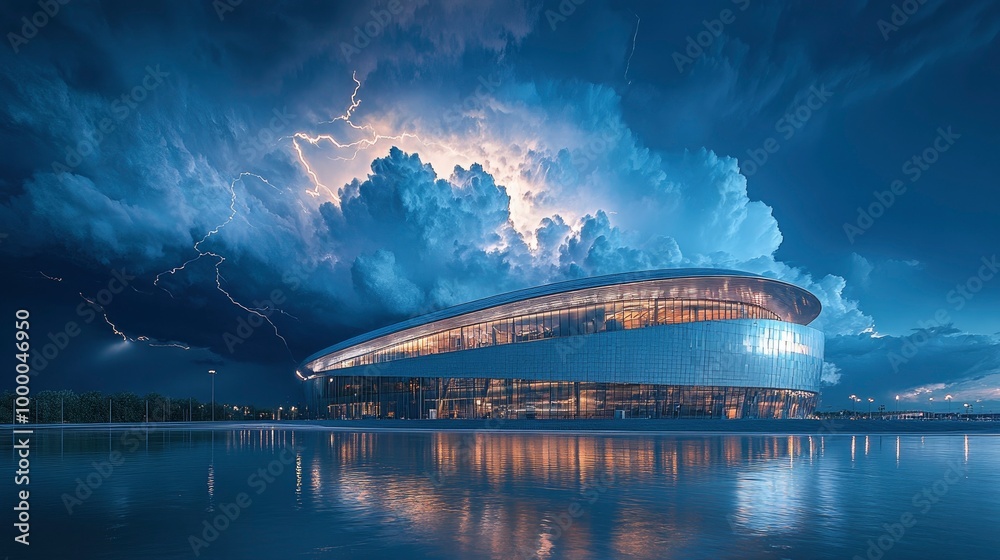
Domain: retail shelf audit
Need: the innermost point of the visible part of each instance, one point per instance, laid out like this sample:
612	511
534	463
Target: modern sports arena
675	343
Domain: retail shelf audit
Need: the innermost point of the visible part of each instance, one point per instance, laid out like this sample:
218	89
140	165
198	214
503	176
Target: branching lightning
219	259
372	137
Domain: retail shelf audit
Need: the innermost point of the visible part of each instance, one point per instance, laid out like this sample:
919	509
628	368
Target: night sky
196	185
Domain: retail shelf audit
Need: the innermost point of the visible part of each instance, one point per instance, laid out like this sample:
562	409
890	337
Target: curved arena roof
789	302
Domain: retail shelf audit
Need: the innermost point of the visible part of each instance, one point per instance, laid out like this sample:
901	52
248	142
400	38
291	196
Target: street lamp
931	405
947	398
897	407
212	373
870	401
854	399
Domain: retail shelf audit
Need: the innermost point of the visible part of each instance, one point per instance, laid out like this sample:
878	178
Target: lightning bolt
634	37
372	137
164	345
53	278
219	259
125	338
170	345
104	312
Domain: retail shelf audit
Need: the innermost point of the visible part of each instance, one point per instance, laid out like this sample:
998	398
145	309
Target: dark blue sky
225	165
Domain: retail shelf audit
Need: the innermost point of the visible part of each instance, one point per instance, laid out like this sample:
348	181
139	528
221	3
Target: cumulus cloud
830	375
482	180
547	183
585	196
861	269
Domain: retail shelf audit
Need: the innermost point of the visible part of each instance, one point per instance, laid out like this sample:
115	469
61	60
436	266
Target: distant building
658	344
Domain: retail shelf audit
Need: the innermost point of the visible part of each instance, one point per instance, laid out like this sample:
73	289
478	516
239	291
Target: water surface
318	493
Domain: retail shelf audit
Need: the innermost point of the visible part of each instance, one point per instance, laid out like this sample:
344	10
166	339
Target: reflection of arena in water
658	344
421	481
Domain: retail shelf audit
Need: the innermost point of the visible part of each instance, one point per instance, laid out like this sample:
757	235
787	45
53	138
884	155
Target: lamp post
870	401
931	405
854	399
947	399
212	373
897	407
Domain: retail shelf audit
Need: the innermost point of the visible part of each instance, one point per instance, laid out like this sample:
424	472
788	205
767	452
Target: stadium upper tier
575	307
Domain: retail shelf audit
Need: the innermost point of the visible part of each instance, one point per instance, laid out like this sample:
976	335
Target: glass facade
601	352
352	397
572	321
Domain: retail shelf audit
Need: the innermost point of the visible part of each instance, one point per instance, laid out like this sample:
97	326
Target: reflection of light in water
770	498
369	477
211	477
298	478
897	451
316	476
866	446
544	546
853	438
211	487
966	449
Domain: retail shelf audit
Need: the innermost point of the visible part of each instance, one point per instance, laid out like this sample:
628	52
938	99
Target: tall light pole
947	399
870	401
212	373
854	400
931	405
897	407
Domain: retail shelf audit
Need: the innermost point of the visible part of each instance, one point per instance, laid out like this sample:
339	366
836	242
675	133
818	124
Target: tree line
54	407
